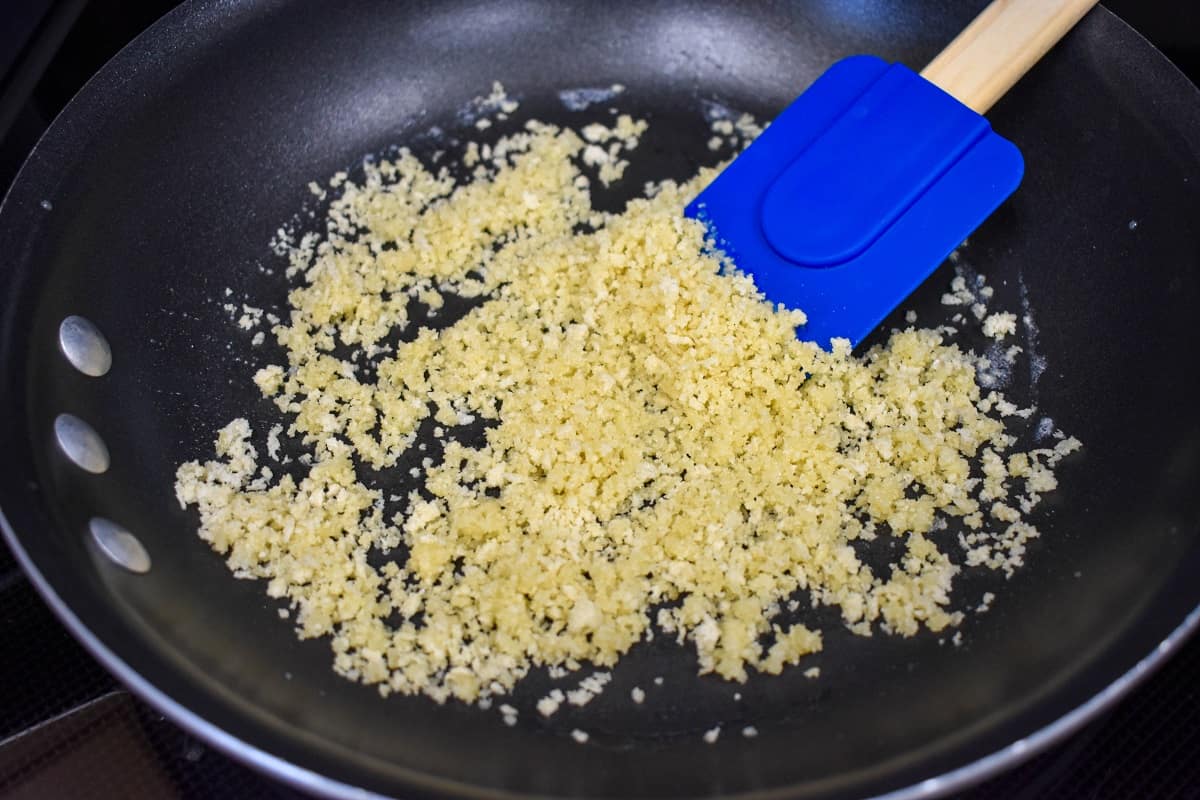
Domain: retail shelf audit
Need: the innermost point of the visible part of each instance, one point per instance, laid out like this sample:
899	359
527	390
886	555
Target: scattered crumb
748	127
605	146
712	734
550	703
273	441
985	604
638	695
958	295
579	736
1000	324
750	731
251	316
589	688
602	488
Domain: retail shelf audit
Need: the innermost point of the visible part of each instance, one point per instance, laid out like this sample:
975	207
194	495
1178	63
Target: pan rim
307	780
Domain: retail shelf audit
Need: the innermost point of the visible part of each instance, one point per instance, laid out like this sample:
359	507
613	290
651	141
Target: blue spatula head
856	193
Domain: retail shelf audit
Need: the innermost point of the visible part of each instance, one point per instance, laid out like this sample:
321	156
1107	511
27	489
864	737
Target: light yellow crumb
1000	324
549	704
599	361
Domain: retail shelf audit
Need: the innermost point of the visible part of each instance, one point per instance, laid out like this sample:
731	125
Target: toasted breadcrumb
601	351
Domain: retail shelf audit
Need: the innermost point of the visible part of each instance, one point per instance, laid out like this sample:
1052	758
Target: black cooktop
68	729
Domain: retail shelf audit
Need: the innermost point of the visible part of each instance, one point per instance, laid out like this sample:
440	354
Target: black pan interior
164	181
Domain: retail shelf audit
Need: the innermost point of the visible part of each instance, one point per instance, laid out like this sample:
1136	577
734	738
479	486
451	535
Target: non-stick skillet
163	181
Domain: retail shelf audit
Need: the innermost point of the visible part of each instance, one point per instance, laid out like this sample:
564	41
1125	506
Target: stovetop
68	729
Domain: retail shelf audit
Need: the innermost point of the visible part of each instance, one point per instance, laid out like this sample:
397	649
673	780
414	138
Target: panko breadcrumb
660	442
1000	325
549	704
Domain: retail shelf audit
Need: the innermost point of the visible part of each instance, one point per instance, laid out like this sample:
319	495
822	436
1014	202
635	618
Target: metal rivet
121	546
80	443
84	346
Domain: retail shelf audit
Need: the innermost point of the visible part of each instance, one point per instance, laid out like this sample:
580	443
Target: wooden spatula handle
999	46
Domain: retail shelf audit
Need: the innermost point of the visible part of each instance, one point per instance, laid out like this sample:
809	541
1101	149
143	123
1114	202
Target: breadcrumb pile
662	452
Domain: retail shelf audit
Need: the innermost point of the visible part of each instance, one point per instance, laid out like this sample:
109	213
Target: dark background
67	729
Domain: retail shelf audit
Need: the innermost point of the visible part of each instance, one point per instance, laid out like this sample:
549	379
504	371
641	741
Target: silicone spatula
868	180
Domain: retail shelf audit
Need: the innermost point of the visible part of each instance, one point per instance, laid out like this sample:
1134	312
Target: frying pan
163	181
